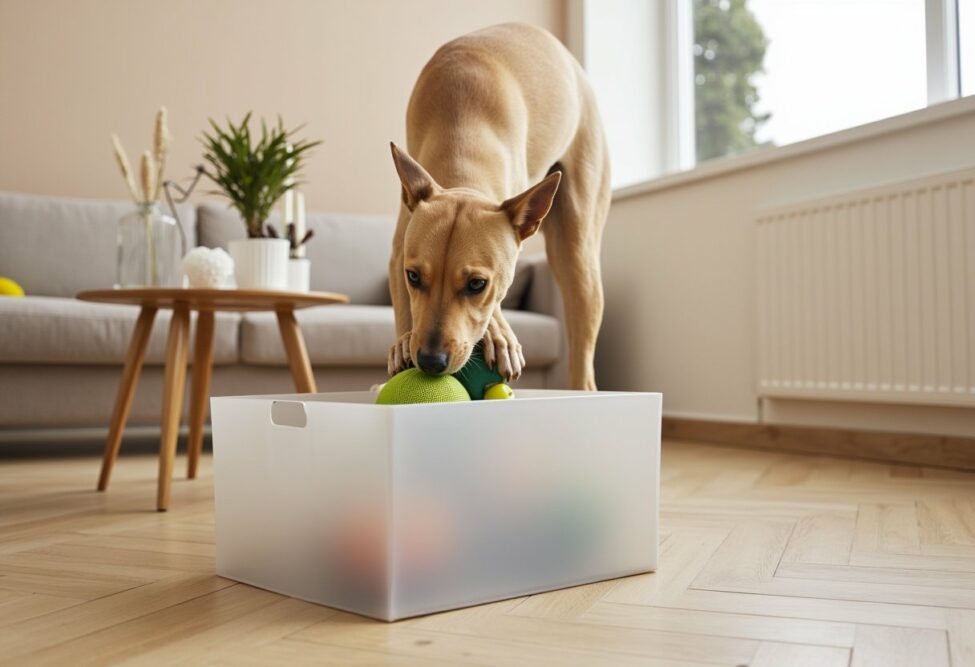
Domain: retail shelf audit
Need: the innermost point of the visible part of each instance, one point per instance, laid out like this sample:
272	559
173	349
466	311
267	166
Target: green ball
476	376
415	386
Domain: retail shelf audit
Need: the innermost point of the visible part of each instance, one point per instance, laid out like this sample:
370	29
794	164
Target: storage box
397	511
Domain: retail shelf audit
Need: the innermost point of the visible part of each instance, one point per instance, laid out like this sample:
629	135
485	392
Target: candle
289	207
300	224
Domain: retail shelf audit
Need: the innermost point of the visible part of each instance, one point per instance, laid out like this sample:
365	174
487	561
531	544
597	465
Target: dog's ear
528	209
417	183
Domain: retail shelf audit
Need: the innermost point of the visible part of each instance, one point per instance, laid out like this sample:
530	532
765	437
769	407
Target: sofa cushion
54	246
349	253
355	335
51	330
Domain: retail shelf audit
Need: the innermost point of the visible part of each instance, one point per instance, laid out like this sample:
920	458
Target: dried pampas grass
148	173
123	165
160	142
152	163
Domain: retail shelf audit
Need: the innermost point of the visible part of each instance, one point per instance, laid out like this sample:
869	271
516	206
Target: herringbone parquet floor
766	560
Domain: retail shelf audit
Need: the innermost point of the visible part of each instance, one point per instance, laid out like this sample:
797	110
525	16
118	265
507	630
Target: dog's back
510	86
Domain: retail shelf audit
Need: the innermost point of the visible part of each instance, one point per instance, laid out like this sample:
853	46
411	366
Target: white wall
74	71
679	268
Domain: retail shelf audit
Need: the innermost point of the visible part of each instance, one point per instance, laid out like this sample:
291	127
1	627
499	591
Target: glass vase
149	249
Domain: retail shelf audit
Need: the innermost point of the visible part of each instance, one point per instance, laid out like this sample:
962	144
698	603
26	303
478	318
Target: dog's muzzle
432	364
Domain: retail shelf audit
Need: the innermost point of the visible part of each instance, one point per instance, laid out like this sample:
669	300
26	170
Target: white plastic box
397	511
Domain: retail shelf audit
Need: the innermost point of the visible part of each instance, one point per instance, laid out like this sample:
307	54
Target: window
680	82
768	72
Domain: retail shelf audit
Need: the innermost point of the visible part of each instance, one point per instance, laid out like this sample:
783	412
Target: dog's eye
476	285
413	277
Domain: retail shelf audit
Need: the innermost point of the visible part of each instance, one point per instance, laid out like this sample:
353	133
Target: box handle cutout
288	413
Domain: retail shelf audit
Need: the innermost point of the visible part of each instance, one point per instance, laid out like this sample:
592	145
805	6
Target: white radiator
870	296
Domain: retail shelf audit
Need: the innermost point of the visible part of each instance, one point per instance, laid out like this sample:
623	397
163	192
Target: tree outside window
729	50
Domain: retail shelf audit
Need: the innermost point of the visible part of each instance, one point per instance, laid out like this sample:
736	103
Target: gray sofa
61	359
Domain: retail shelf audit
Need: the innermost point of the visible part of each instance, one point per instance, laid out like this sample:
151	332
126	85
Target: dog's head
459	258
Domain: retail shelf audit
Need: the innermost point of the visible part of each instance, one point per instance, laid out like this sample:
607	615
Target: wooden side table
206	302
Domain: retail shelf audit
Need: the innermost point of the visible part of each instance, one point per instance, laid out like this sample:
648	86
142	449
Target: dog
502	133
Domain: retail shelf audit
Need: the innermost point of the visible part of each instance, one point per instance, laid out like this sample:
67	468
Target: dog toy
475	381
424	535
9	287
498	391
415	386
477	377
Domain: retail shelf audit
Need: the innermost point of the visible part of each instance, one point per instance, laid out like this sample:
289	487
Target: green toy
415	386
476	376
475	381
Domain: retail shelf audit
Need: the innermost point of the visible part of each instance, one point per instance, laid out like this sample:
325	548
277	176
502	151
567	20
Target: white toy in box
393	511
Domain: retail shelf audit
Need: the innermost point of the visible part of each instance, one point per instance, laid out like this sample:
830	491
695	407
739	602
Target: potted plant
253	175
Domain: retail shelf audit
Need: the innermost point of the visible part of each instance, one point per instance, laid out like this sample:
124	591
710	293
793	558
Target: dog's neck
492	172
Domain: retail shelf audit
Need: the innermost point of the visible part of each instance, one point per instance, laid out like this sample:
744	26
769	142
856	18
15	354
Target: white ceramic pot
299	274
260	263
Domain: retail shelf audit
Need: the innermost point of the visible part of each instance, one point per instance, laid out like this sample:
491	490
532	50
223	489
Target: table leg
126	390
294	347
173	385
200	388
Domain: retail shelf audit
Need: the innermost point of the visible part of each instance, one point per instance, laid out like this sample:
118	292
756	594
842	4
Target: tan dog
492	113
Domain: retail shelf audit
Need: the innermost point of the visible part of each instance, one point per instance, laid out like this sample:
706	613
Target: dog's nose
432	363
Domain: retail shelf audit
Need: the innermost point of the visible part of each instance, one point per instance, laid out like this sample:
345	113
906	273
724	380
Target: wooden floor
766	559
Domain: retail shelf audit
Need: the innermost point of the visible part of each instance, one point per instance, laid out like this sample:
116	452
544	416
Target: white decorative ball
207	267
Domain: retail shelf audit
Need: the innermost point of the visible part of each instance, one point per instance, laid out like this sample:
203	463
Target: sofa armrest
545	298
542	295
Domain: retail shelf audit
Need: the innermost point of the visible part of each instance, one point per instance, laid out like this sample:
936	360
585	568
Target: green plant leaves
253	176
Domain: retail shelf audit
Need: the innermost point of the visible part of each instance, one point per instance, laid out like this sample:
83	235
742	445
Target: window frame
943	50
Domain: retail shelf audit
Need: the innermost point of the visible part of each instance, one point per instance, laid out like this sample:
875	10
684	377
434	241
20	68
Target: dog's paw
399	355
502	350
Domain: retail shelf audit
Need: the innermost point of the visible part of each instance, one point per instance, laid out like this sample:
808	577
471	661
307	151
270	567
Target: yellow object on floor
10	287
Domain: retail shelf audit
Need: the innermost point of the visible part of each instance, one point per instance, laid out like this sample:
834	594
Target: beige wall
679	268
72	72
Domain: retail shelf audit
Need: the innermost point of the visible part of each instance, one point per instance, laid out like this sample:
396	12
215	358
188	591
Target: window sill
763	156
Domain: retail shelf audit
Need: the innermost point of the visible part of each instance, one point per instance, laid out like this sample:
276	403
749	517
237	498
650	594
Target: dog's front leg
399	354
502	349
